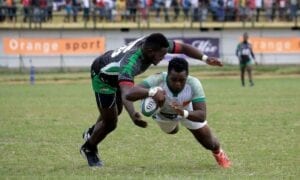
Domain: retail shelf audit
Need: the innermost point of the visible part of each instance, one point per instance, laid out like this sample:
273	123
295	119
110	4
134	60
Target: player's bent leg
249	71
106	123
104	127
205	137
242	69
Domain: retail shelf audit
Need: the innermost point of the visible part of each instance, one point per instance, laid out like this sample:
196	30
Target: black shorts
105	101
244	60
107	91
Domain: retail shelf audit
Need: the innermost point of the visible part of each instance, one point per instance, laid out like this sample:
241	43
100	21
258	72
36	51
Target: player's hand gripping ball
149	106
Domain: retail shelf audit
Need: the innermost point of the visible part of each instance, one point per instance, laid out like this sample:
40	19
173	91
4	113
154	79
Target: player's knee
174	131
169	130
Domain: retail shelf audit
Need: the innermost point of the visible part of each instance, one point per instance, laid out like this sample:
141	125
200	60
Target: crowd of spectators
169	10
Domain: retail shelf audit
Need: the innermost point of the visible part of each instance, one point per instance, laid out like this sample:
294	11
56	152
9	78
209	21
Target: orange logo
53	46
275	44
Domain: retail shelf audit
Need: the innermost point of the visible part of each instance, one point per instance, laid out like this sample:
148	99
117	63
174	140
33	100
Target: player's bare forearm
197	115
136	92
135	116
191	51
128	106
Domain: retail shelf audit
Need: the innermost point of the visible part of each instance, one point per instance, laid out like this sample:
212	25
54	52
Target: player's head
245	37
178	71
155	47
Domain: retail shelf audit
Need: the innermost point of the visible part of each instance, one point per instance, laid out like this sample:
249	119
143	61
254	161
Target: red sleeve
177	47
126	83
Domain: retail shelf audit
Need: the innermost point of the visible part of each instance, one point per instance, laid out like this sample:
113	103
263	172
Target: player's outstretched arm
134	115
138	92
193	52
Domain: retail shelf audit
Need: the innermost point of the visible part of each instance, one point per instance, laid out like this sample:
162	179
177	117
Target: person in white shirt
184	103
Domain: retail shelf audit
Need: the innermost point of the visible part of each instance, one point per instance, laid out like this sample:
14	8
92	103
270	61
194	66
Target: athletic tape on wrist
185	114
152	91
204	58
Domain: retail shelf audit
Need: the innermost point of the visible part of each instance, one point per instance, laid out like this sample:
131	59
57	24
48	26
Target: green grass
41	128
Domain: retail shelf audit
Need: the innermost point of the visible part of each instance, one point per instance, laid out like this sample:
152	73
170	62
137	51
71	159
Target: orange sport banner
275	44
53	46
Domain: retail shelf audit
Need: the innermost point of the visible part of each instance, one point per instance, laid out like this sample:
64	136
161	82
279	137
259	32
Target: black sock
89	146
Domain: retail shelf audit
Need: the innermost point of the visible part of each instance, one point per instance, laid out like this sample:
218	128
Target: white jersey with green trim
192	92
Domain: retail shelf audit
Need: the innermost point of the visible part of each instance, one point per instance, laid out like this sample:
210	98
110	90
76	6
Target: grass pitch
41	128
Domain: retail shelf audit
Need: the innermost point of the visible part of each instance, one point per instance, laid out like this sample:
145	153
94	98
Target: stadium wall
228	40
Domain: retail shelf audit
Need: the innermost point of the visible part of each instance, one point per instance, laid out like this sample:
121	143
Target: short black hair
178	64
156	41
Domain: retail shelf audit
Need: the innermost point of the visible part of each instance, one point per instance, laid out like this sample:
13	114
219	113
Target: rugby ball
149	106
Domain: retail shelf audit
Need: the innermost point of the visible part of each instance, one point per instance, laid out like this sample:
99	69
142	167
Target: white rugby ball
149	106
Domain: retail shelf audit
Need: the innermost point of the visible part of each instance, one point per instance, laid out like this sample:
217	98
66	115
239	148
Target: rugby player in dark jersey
112	77
245	53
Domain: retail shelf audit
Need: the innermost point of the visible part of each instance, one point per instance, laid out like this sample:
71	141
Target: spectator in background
26	9
43	10
86	10
186	6
68	8
175	5
35	7
2	11
75	8
109	10
250	8
204	6
274	9
268	5
162	4
217	10
258	6
50	10
100	8
294	7
282	7
245	54
230	10
120	6
242	13
58	5
11	10
195	10
131	6
143	9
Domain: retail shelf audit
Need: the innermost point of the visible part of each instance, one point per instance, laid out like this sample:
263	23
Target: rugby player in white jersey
113	74
184	103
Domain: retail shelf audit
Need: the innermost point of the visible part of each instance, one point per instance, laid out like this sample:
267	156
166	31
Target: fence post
32	73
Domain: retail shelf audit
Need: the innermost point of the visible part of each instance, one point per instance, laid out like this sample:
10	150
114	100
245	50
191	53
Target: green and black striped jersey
127	61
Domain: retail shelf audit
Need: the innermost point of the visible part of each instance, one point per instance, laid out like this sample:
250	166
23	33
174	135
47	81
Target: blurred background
72	33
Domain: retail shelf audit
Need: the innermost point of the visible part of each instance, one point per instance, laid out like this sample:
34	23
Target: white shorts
168	125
